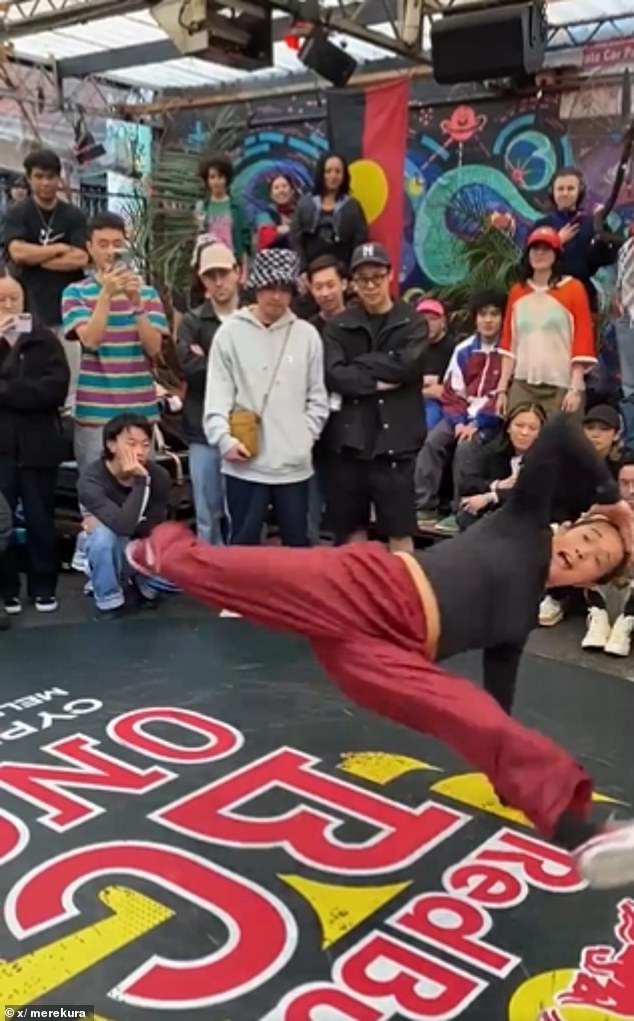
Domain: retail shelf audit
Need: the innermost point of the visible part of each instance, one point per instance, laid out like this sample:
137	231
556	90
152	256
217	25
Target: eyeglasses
374	281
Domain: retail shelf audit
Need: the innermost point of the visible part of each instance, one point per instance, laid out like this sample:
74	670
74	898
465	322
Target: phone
124	259
24	323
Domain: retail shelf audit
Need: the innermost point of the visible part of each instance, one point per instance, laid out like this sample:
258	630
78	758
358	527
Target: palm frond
491	258
176	187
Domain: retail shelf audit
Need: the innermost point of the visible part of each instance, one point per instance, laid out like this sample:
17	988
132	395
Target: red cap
545	236
432	306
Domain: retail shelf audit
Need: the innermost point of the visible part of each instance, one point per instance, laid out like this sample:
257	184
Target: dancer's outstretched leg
319	592
359	607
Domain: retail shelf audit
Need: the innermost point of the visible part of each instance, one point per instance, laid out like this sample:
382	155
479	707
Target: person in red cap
548	336
379	622
437	357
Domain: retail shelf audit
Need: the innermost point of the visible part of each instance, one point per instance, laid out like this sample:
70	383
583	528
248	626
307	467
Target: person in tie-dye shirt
120	323
220	216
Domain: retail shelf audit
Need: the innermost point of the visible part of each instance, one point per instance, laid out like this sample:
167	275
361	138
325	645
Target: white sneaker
598	632
229	613
607	860
551	612
620	641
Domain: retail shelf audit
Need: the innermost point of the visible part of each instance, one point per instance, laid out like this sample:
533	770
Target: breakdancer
379	621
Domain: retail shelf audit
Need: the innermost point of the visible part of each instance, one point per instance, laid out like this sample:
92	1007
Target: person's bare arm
74	258
150	337
91	334
23	253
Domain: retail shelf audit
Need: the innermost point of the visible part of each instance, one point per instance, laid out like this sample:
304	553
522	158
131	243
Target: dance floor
194	824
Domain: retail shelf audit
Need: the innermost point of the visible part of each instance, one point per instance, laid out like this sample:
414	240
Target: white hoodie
243	357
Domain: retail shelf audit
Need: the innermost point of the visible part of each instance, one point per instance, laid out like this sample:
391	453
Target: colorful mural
464	162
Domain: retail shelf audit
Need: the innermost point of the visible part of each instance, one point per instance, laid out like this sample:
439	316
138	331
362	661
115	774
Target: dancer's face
584	553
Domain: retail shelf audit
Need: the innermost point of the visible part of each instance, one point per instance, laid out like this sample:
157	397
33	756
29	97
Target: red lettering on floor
309	835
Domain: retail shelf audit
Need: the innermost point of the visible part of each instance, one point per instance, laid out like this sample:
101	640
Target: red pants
363	616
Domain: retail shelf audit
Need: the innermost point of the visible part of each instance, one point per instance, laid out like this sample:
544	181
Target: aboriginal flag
368	127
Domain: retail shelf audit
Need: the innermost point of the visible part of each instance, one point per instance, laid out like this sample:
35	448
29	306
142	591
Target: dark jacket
585	253
6	524
357	356
197	328
34	380
490	462
349	226
129	511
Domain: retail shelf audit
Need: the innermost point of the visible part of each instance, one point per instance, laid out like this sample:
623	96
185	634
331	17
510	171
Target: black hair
218	162
327	262
105	221
485	297
19	182
320	170
569	172
627	460
556	272
286	177
119	424
42	159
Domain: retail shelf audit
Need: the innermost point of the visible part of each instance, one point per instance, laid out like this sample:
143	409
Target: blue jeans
249	504
109	570
209	492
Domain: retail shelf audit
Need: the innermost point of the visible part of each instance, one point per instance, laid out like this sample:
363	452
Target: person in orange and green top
548	337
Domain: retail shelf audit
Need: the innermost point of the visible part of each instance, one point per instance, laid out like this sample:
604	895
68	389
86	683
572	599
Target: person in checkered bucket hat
274	267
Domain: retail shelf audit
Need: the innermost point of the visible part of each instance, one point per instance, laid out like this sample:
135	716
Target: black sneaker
46	604
13	606
117	614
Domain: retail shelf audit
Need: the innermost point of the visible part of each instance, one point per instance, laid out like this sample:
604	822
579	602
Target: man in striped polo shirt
120	323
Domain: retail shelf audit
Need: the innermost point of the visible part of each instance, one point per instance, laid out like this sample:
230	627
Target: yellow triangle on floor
340	909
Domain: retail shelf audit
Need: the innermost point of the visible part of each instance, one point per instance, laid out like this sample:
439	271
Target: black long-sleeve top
130	511
489	580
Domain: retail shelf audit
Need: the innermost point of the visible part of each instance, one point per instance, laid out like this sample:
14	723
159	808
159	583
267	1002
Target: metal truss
26	17
590	30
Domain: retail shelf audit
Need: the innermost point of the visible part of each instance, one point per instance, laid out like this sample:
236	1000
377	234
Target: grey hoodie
242	362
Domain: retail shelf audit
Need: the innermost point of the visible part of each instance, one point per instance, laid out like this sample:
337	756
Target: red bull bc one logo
600	989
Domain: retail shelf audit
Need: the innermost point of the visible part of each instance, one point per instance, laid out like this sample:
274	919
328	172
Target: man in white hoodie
267	361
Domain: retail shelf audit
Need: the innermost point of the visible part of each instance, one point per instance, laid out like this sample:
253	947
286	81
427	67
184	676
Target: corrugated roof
116	32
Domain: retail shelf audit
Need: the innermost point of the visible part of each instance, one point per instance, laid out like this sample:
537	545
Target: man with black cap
266	404
374	356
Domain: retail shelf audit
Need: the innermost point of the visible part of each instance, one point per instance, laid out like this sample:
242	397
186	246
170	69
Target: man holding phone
120	322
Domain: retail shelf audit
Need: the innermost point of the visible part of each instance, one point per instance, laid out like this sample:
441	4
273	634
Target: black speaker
322	56
497	42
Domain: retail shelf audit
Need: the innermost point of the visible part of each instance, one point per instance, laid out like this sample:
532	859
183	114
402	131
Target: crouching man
125	496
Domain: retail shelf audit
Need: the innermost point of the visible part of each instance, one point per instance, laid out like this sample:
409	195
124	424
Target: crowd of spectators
313	397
